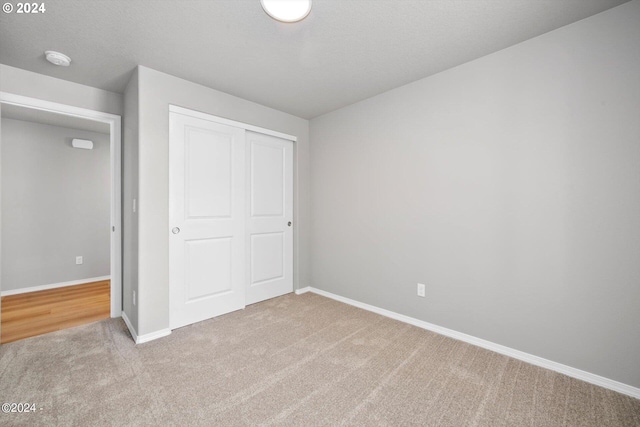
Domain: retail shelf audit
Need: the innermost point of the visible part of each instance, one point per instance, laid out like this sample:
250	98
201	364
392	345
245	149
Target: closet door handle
289	223
175	230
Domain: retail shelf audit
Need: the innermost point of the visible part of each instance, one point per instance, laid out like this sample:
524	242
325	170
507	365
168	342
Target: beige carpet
291	361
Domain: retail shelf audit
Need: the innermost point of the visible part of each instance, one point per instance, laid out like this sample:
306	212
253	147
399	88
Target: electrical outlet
79	260
134	297
421	290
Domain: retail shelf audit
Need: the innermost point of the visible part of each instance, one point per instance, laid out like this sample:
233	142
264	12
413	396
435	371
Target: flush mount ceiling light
57	58
287	10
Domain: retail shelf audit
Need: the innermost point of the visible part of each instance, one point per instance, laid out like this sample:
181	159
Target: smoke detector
57	58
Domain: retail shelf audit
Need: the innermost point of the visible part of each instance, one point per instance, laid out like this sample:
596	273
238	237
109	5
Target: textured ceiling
343	52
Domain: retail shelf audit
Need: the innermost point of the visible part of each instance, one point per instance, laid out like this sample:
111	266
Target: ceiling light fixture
57	58
287	10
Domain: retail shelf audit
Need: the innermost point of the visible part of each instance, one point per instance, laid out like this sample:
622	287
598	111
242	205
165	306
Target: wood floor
36	313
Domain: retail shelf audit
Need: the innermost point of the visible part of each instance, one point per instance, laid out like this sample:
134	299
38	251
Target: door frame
115	138
228	122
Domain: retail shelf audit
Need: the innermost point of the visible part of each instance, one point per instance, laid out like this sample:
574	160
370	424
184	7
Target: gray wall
156	91
34	85
26	83
55	205
509	186
129	193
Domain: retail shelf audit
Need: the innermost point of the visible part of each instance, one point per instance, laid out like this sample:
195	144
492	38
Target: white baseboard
54	286
303	290
132	330
507	351
153	336
139	339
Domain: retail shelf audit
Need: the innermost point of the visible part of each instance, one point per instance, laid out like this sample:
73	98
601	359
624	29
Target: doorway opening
61	216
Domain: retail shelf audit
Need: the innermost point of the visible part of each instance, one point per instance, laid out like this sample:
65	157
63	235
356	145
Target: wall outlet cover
421	290
79	260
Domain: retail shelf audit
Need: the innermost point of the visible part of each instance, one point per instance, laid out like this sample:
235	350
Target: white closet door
207	219
269	217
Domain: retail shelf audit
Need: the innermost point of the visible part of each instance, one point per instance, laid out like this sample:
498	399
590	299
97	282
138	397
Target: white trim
153	336
303	290
69	110
222	120
132	330
507	351
139	339
115	135
53	286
